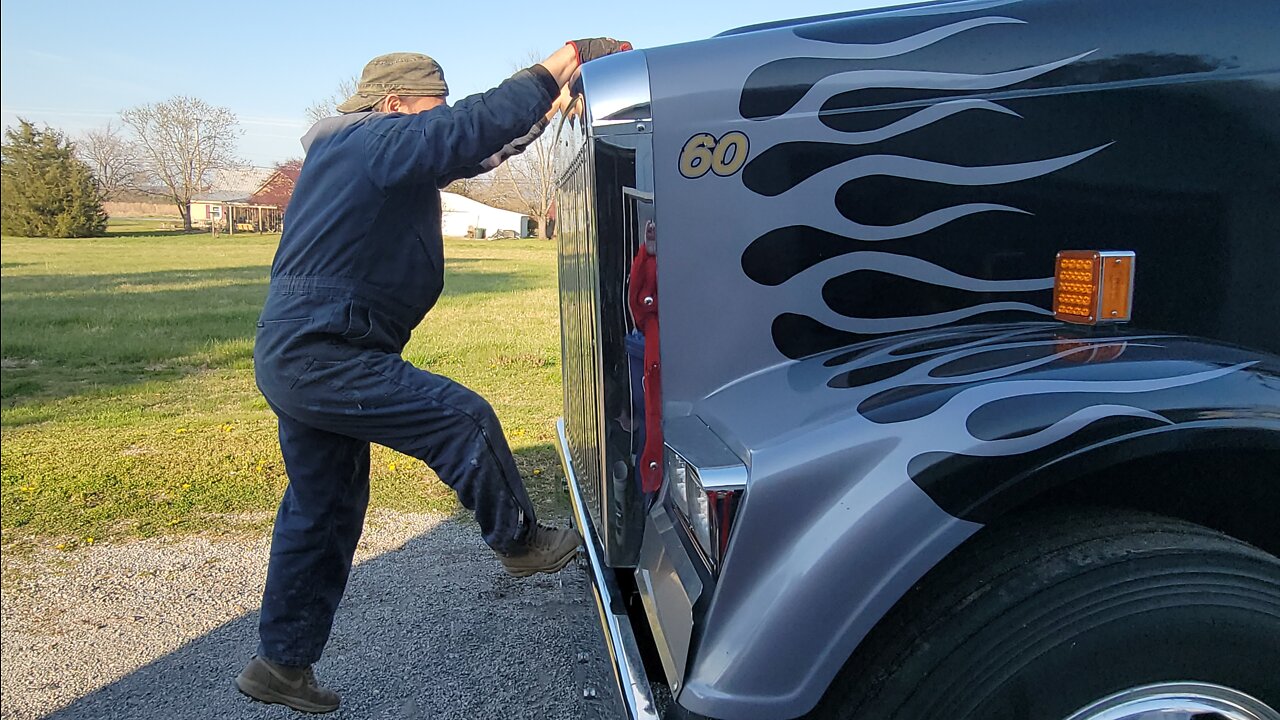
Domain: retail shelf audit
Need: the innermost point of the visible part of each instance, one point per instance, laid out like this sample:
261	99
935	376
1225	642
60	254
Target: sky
76	65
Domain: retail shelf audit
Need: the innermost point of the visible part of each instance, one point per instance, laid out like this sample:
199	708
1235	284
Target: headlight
708	514
678	477
699	519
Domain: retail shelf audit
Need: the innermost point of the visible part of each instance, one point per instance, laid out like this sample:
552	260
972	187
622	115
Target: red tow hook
642	297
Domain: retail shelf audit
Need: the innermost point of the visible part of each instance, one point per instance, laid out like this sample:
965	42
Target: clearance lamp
1093	286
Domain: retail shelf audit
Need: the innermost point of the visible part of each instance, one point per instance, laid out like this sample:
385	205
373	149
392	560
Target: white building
228	188
460	214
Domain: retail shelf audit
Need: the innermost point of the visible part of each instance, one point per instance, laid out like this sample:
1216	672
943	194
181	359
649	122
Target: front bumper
620	639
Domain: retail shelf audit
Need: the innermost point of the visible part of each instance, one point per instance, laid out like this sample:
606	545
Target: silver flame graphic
945	428
914	269
877	51
828	182
803	123
921	80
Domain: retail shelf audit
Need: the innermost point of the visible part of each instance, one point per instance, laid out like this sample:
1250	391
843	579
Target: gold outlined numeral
703	153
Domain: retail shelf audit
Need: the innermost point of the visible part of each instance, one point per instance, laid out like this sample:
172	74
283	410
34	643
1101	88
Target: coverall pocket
359	322
281	322
313	370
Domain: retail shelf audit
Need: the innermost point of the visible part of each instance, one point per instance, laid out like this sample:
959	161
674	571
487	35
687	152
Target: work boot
547	550
264	680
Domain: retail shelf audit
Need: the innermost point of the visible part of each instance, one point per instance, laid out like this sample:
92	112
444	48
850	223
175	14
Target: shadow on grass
432	629
461	280
63	333
540	466
16	286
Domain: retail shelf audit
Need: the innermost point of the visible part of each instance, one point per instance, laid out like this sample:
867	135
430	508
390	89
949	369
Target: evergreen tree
47	191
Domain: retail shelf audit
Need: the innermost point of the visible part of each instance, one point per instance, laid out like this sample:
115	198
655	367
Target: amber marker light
1093	286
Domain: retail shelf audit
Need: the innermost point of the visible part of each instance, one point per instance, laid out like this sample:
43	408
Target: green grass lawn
129	406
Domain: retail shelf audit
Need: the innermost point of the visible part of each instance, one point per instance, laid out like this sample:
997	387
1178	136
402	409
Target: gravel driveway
430	628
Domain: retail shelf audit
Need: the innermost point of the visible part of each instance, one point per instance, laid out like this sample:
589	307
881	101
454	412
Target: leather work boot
548	550
296	687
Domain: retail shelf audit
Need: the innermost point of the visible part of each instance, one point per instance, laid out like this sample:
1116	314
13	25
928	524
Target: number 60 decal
704	152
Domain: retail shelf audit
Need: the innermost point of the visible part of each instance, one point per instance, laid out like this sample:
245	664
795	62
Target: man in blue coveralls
359	265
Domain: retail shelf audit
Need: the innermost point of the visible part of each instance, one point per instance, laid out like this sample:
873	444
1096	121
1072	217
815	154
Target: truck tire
1051	615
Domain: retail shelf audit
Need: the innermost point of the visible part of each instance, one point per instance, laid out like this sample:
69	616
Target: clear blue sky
76	64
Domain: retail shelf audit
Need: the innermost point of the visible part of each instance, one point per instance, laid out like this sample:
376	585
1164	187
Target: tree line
54	186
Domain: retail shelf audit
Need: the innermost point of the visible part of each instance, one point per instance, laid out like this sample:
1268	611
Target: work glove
593	48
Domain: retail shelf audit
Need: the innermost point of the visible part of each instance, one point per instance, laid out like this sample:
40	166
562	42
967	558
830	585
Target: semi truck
922	362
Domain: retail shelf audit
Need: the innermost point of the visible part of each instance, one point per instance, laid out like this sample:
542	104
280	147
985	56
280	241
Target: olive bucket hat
410	74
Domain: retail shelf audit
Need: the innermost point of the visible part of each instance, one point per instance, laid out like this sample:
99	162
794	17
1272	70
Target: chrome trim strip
628	667
716	465
669	588
732	477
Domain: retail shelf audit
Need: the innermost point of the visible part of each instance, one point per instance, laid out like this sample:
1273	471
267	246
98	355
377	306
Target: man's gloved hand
593	48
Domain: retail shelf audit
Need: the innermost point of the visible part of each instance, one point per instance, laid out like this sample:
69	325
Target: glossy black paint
1183	95
863	293
800	336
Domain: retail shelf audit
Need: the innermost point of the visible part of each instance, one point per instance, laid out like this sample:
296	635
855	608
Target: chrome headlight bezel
705	510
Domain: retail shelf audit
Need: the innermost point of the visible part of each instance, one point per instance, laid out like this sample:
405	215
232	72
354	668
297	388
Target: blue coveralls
359	265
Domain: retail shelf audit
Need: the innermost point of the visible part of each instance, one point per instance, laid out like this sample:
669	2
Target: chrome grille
581	364
603	201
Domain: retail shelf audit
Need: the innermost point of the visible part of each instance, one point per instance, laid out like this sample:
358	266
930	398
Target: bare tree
183	142
114	159
328	106
475	188
528	181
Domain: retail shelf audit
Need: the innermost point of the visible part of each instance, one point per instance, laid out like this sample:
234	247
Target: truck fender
832	532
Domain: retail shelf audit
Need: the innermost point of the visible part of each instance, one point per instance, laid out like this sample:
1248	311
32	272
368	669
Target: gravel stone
430	627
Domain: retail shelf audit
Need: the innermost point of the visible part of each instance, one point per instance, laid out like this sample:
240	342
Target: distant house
278	187
461	216
247	201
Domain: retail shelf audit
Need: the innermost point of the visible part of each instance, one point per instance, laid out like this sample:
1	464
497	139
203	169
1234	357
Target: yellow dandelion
391	467
537	471
61	546
227	427
186	486
180	430
88	541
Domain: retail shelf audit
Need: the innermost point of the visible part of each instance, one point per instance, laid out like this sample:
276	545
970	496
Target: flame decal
947	390
785	165
950	429
931	402
761	99
817	97
916	169
799	148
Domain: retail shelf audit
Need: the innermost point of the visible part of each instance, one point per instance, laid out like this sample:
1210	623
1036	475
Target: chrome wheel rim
1177	701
